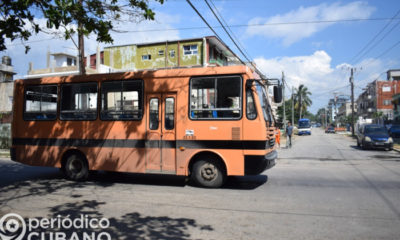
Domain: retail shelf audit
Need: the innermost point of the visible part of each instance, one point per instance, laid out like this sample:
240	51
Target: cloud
321	77
137	33
291	33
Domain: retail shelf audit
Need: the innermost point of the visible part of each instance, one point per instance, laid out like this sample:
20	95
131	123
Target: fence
5	135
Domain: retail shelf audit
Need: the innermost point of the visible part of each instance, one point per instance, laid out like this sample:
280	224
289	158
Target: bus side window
121	100
251	111
79	101
154	115
169	113
216	97
40	102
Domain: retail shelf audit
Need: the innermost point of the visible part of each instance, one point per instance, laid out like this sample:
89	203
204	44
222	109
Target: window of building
386	89
69	61
79	101
40	102
122	100
387	102
161	53
146	57
190	50
172	53
216	98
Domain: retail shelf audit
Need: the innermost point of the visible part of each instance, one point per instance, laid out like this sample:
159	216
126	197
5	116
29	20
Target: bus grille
271	137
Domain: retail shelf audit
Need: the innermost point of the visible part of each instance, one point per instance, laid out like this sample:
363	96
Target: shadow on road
43	180
132	225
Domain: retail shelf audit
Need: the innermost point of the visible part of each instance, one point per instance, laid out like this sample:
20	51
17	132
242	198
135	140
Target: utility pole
292	106
335	101
284	107
326	119
352	101
81	47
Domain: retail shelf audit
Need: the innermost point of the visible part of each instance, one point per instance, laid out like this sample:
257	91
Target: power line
379	41
376	35
382	54
234	42
204	20
230	30
259	24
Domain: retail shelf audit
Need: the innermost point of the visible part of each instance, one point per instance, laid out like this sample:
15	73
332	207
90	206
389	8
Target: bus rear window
40	102
216	98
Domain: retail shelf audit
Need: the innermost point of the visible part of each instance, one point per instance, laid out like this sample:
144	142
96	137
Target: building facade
378	96
207	51
6	89
345	110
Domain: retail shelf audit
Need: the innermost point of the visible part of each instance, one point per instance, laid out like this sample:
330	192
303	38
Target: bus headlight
390	140
367	139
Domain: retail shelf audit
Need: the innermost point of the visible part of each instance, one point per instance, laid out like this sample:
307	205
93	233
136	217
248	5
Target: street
324	187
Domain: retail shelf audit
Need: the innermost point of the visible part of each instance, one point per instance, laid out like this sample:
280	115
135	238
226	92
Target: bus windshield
304	123
263	101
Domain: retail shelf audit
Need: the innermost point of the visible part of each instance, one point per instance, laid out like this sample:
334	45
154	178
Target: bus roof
159	73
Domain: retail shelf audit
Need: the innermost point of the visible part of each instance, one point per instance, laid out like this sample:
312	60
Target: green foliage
91	16
302	98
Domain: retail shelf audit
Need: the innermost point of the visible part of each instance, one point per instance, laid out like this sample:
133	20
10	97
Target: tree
302	99
84	17
377	116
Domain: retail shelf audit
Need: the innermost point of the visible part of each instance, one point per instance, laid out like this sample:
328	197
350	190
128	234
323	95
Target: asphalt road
324	187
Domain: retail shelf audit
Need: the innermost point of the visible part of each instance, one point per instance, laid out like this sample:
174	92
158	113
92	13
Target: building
57	64
6	89
378	96
345	110
207	51
6	101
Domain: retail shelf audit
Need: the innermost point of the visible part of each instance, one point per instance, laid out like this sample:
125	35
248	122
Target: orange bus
205	123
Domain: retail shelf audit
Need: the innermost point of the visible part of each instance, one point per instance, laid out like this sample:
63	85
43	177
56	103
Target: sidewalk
4	153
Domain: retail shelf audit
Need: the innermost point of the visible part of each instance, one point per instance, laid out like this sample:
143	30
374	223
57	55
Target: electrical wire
379	41
260	24
230	30
234	42
376	35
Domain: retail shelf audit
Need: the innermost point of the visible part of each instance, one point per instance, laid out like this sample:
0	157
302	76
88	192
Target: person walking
289	133
278	136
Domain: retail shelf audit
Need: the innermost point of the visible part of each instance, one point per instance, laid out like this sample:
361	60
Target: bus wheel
76	168
208	173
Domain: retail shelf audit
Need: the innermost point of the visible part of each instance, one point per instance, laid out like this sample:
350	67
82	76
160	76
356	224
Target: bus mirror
278	94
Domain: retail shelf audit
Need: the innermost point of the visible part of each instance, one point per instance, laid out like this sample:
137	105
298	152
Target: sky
314	43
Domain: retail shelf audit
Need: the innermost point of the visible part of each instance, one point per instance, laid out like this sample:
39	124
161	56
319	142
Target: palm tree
377	116
302	99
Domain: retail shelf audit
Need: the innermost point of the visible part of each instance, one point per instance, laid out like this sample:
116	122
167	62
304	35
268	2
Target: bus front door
161	139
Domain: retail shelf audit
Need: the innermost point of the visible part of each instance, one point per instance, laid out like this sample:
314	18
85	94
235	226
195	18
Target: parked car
374	136
330	130
394	131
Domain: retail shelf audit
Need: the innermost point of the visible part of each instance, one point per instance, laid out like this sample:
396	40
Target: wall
6	94
129	57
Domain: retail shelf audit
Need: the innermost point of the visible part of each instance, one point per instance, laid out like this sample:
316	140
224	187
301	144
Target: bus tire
76	167
208	172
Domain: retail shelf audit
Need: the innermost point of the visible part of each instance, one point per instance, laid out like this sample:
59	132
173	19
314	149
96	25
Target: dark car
330	130
394	131
374	136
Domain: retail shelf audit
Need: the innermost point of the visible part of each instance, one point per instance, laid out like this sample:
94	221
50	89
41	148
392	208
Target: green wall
130	57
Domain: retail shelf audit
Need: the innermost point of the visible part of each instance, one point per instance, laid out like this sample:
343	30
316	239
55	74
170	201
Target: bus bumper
256	164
